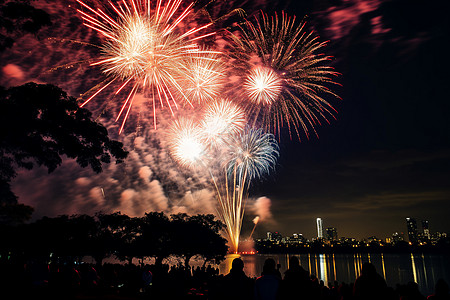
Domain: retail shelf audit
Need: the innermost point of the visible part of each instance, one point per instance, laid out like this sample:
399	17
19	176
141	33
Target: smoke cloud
12	75
262	209
148	180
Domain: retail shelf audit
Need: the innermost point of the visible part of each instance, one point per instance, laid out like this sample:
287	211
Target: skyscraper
331	234
411	225
426	229
319	228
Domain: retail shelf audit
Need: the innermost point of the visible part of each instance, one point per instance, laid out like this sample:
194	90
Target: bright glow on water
424	269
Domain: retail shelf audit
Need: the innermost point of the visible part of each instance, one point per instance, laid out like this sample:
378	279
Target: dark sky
385	157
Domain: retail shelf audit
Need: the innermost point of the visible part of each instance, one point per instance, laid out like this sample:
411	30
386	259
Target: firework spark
186	146
263	86
254	154
206	77
144	50
221	120
250	154
285	77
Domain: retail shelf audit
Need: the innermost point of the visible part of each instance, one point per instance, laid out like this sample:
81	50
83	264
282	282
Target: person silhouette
412	292
235	285
441	291
370	285
296	281
237	270
266	286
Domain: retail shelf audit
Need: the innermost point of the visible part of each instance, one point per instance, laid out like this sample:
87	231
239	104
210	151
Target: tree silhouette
11	212
156	238
115	235
38	124
65	239
198	235
213	245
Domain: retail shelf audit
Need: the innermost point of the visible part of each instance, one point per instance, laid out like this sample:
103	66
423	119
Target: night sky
385	157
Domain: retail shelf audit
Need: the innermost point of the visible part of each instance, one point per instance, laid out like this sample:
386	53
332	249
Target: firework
253	154
255	221
144	49
286	77
222	119
186	146
206	77
263	86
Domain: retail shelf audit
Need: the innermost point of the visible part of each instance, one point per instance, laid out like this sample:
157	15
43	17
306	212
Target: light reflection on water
395	268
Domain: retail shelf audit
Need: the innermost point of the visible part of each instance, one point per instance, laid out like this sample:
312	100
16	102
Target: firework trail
144	51
255	221
247	154
253	154
285	77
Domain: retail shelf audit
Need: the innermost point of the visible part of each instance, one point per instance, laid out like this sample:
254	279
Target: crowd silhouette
160	281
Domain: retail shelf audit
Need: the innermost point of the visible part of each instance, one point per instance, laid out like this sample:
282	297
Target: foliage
68	238
155	238
14	213
198	235
39	123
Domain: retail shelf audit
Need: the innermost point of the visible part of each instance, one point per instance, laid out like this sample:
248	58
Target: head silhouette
368	269
293	262
237	265
269	266
441	287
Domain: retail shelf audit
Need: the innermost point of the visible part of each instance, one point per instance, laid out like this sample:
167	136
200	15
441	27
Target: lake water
424	269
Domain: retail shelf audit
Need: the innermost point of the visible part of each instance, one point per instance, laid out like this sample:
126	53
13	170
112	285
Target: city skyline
411	233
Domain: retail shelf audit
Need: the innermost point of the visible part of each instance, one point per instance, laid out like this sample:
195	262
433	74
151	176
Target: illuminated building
411	225
319	228
277	236
426	230
331	234
274	236
397	237
298	238
373	239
